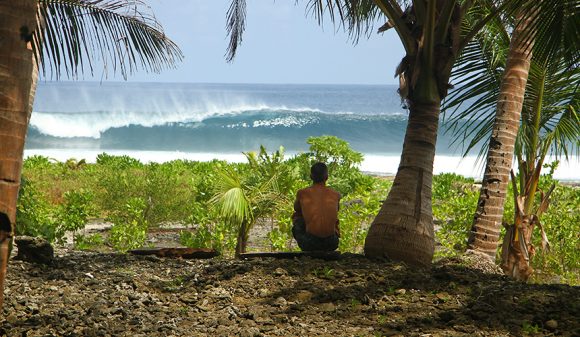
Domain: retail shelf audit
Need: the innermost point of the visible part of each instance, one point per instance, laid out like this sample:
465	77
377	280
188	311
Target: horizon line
211	83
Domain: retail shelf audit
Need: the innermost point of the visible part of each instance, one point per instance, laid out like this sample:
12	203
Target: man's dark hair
319	172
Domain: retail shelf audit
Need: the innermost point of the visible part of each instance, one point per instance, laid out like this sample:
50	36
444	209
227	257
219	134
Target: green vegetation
57	198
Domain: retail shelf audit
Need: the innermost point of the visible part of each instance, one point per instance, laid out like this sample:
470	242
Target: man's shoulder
333	191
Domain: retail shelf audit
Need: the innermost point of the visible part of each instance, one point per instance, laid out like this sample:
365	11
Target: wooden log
334	255
184	253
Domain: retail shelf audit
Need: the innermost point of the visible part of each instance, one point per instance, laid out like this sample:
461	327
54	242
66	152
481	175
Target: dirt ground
107	294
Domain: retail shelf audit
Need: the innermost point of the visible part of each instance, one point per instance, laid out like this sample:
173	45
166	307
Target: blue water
217	118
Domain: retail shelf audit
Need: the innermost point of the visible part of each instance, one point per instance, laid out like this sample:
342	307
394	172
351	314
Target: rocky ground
106	294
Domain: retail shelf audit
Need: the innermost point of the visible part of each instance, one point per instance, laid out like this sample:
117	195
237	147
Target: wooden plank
334	255
184	253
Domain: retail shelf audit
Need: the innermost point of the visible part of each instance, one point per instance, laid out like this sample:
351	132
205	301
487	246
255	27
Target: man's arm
297	208
337	229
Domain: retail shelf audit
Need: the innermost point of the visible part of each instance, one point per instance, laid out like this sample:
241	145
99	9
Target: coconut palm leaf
557	25
74	34
357	17
469	109
549	123
231	198
236	24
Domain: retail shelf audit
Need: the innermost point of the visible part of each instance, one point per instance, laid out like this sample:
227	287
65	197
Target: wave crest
93	124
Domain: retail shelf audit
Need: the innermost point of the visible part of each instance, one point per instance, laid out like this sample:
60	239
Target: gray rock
327	307
552	324
280	302
280	272
250	332
36	250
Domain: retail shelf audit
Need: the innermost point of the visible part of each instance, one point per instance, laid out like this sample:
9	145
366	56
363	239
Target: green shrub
130	226
74	213
118	162
88	242
357	212
454	202
135	195
562	225
219	236
34	215
342	162
168	191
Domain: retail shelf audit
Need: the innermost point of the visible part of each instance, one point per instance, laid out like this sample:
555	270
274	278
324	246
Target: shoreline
382	165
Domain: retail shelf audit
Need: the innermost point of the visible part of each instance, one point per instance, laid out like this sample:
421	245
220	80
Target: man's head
319	173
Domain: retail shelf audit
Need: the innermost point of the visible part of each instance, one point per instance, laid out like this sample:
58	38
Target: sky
282	44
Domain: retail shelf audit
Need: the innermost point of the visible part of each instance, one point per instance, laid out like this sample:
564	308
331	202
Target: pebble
280	302
552	324
280	272
401	291
132	296
327	307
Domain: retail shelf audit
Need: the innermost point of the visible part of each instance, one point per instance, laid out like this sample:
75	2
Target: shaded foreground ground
95	294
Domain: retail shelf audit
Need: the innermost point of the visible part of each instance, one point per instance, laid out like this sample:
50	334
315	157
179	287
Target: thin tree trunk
484	236
242	238
17	72
403	229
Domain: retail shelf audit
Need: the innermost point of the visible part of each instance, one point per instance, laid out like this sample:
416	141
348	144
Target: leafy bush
135	195
342	162
335	152
454	202
34	214
219	236
130	226
118	162
75	211
88	242
357	212
168	191
562	225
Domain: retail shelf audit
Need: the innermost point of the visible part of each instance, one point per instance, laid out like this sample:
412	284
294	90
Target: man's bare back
318	205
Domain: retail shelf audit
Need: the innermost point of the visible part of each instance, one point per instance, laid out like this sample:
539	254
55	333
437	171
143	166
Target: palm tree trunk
403	229
484	236
17	22
242	238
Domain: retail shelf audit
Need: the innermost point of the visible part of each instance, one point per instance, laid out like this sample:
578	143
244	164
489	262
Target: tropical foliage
550	126
73	36
204	224
65	35
433	34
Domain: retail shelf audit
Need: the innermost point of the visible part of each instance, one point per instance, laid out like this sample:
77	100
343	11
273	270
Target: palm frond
236	24
557	24
75	34
357	17
469	109
232	202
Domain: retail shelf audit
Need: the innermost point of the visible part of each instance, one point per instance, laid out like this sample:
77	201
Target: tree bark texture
484	236
17	76
403	228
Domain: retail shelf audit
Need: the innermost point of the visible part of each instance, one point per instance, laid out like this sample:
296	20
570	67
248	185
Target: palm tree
538	21
432	35
61	35
549	125
242	199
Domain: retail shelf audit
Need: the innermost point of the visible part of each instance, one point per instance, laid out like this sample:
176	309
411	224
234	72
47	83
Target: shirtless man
315	218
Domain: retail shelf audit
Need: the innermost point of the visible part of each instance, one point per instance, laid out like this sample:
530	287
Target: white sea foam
379	164
93	124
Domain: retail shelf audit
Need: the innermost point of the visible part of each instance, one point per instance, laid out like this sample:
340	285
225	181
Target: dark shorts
309	242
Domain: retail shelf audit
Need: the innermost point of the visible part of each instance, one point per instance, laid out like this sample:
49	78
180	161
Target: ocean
165	121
